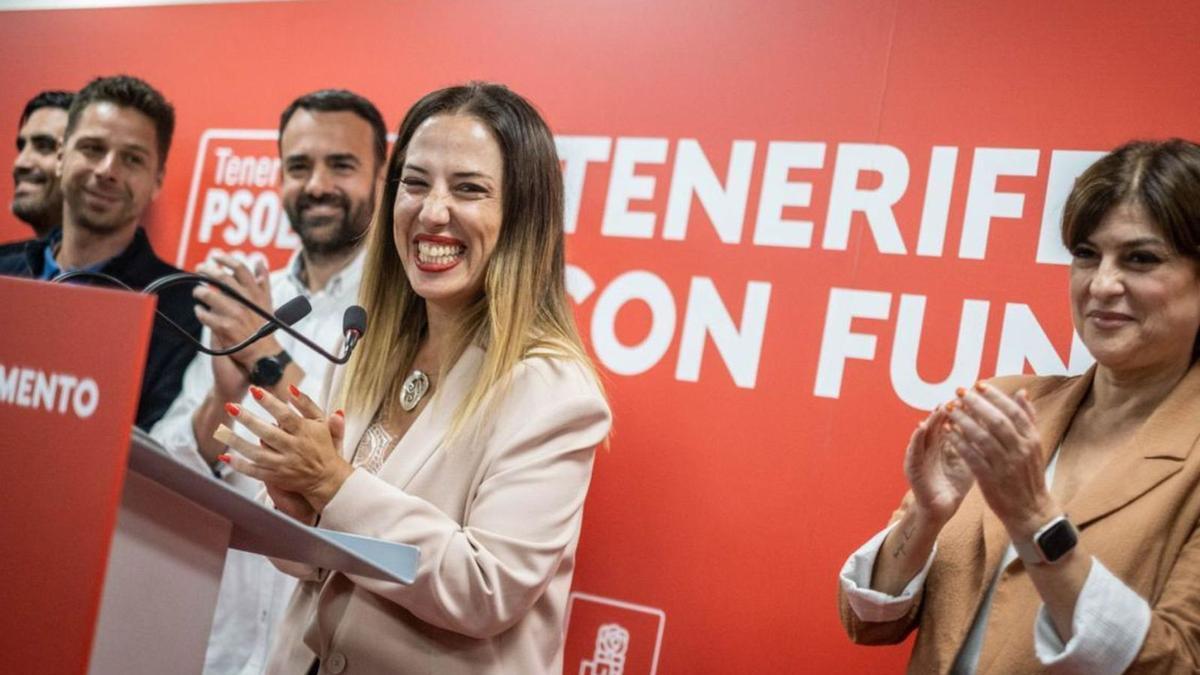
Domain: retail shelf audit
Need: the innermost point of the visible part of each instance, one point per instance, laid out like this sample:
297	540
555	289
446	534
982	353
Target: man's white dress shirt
253	593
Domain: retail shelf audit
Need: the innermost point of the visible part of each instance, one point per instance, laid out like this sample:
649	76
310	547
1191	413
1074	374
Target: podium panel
71	361
160	590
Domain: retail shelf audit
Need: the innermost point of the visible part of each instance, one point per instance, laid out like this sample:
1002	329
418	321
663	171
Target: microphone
354	324
354	321
288	314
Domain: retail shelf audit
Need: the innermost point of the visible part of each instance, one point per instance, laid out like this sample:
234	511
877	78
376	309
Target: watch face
1058	540
266	372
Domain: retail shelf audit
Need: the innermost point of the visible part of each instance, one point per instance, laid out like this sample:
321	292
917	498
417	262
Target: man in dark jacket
111	168
37	199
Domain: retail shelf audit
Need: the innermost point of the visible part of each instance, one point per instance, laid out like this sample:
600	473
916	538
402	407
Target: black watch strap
268	370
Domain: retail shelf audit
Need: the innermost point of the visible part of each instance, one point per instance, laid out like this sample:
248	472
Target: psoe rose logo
612	643
607	636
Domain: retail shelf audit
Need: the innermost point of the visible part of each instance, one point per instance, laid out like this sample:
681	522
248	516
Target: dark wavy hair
127	91
46	99
1161	177
341	100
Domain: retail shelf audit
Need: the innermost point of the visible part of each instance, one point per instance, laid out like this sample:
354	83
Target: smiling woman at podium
471	413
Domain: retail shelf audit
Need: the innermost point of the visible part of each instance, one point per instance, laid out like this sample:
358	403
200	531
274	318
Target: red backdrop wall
800	224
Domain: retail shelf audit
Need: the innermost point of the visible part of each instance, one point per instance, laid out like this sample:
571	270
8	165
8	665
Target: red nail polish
256	393
340	413
224	458
295	390
979	386
232	409
960	392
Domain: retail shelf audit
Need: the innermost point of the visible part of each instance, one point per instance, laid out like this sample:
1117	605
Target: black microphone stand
184	277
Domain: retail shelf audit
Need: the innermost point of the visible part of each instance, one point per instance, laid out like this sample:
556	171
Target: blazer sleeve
174	430
894	631
302	571
1172	643
169	356
881	632
480	577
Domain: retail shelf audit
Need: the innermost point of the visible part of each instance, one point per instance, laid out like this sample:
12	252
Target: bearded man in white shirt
332	145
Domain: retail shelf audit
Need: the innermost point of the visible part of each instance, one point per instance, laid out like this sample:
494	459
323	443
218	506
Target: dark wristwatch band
268	370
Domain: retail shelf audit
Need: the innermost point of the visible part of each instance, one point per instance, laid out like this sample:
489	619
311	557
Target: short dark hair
51	98
341	100
127	91
1161	177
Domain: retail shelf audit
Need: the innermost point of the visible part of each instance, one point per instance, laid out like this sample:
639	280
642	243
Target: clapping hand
229	320
299	455
937	475
997	438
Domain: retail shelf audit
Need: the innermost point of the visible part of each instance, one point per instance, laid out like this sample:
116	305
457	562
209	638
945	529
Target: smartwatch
268	370
1054	540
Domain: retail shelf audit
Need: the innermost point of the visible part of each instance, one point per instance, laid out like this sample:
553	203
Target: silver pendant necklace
415	386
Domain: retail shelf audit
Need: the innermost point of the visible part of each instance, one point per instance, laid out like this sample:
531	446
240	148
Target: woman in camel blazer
472	413
1052	522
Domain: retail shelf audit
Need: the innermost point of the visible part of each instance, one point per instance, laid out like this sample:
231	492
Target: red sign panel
234	206
71	361
793	226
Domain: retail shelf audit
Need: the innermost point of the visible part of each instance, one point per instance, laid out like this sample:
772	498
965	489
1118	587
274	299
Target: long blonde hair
523	308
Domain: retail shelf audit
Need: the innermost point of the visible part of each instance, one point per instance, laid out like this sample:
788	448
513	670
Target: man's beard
349	230
43	212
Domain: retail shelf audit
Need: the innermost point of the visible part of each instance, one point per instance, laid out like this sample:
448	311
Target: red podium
71	362
112	549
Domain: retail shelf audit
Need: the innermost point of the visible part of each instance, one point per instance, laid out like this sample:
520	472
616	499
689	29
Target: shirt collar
295	272
49	259
336	284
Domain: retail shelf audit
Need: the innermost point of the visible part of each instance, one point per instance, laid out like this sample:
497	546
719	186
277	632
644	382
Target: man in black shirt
114	153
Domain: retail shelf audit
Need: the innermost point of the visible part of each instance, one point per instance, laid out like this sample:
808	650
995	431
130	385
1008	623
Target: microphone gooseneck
354	321
288	314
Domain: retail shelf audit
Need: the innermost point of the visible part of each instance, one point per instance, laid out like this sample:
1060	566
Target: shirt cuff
1110	624
180	443
870	605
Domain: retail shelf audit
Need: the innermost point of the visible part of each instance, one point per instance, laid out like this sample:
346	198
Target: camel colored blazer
496	514
1138	517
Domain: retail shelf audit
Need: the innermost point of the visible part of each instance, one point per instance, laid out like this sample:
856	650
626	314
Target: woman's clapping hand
298	456
937	475
996	436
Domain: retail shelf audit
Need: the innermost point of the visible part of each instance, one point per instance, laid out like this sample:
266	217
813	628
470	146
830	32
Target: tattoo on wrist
907	535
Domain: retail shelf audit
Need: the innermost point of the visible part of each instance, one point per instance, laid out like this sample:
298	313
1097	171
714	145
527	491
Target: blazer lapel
1054	413
427	432
1156	452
